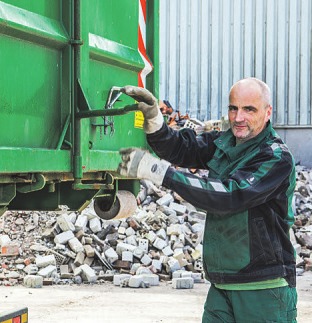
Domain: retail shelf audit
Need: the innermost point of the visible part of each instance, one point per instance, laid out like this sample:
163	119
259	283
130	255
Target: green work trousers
251	306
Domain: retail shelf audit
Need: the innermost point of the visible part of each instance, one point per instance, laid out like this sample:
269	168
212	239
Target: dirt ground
109	304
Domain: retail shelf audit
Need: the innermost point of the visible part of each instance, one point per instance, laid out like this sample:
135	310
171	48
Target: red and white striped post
142	45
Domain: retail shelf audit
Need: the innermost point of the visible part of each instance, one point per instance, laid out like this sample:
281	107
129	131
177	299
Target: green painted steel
59	58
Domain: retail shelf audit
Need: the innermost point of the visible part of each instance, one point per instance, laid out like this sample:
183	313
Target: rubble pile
161	241
301	233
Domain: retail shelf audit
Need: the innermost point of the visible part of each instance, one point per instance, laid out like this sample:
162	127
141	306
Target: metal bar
61	140
107	112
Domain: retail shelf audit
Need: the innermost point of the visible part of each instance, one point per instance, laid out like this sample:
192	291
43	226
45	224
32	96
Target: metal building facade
207	45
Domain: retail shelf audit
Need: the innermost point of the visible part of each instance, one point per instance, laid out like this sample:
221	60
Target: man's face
248	112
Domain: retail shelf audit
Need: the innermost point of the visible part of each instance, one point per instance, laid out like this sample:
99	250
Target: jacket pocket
261	247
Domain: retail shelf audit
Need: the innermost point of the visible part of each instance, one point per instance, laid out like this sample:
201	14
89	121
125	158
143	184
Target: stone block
65	223
146	260
95	225
167	251
111	255
44	261
124	246
4	240
151	279
88	274
159	243
173	264
89	250
33	281
179	208
157	264
130	232
79	260
47	271
183	283
136	281
118	278
81	222
165	200
75	245
64	237
143	244
151	236
127	256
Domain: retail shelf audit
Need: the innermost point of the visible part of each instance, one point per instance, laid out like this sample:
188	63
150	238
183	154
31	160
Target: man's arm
264	178
182	147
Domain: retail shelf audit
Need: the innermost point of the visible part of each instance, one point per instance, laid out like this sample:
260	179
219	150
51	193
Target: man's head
249	108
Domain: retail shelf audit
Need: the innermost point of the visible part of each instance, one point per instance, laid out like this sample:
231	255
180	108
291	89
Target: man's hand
141	164
148	104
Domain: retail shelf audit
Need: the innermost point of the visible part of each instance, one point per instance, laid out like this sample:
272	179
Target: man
247	254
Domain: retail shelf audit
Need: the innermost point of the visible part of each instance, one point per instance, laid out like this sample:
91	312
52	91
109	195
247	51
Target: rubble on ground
162	241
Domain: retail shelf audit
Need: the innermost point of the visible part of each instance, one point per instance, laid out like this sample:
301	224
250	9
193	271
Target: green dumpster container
62	117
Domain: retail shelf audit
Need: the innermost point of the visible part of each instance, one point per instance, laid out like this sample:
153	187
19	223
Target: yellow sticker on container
138	119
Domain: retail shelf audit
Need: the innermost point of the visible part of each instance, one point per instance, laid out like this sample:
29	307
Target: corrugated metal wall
207	45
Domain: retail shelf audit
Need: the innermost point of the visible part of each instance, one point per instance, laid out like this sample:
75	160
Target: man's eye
231	108
249	109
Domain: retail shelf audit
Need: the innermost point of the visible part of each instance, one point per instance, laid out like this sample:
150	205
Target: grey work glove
138	163
148	104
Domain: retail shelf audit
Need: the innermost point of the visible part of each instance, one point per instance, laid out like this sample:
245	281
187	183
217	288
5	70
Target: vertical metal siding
207	45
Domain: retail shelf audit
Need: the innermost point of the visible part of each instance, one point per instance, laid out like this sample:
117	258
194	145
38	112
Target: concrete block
127	256
151	279
161	233
136	281
64	237
33	281
159	243
79	260
89	250
4	240
88	274
177	273
124	246
134	268
130	232
122	230
75	245
146	260
47	271
88	261
174	229
118	278
111	255
95	225
173	264
183	283
179	208
151	236
157	264
44	261
167	251
131	240
143	244
143	270
81	222
165	200
138	253
31	269
65	223
197	277
64	272
181	258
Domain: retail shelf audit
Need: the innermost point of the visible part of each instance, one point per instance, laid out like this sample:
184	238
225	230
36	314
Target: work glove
138	163
148	104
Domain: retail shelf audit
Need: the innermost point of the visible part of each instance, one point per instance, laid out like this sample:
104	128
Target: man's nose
240	115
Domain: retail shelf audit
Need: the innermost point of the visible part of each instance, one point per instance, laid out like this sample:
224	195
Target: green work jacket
247	196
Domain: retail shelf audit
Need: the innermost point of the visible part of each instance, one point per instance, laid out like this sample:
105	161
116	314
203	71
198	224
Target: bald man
247	253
